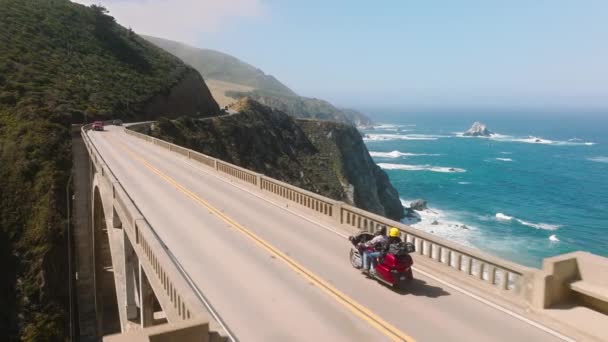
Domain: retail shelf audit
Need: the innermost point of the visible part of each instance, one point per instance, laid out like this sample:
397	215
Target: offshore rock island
478	130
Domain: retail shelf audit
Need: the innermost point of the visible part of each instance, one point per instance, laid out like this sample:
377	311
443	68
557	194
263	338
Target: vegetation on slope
305	108
214	65
324	157
59	62
223	67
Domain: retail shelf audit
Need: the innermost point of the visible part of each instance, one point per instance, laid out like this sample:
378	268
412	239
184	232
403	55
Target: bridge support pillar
131	279
146	299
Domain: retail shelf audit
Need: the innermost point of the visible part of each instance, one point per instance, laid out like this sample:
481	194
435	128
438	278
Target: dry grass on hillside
219	89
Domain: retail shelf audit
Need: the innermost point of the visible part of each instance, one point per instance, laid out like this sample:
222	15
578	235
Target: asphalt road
241	250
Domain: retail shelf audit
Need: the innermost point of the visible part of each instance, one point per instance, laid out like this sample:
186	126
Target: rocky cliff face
364	183
323	157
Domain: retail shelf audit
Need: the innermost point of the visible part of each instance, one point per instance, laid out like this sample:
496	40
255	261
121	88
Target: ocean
538	188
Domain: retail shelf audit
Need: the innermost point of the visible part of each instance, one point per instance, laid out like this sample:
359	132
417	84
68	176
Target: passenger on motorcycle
393	237
378	241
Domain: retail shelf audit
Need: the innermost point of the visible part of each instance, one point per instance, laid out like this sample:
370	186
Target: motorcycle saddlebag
410	247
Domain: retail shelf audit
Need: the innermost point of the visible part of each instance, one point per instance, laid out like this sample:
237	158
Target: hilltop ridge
231	79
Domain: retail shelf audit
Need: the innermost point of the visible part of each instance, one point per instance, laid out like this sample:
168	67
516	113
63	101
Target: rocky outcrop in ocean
418	204
478	130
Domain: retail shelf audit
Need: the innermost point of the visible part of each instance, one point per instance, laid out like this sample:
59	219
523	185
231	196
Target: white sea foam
406	167
464	183
506	152
530	140
388	137
503	217
599	159
397	154
444	226
540	141
553	238
544	226
505	159
392	126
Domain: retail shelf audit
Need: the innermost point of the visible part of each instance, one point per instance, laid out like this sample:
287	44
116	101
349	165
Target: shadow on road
418	287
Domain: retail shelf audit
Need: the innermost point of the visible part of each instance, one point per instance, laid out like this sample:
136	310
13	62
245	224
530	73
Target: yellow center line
361	311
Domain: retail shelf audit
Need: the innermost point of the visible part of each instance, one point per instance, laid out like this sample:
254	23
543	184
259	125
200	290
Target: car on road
97	126
117	122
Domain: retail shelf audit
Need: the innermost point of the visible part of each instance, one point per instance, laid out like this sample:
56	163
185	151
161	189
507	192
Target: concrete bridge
191	248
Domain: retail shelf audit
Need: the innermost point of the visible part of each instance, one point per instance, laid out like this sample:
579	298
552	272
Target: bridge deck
259	295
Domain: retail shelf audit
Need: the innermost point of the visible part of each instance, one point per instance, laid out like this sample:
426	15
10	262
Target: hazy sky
465	53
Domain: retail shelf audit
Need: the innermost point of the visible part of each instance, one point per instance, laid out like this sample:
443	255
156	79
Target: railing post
504	281
459	261
449	257
480	275
492	275
470	266
337	212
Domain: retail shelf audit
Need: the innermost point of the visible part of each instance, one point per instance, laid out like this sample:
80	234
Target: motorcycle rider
379	240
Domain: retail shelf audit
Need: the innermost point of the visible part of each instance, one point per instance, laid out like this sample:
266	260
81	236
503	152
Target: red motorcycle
393	268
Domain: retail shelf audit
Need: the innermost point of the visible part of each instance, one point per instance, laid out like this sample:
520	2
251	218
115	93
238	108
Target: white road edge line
455	287
498	307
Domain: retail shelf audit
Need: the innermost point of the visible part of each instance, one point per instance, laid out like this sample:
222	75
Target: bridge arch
106	306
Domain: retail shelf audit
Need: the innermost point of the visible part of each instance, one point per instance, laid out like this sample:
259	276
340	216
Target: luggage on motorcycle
360	238
401	248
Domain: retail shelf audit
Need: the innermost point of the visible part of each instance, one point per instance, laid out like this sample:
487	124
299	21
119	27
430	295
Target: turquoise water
520	198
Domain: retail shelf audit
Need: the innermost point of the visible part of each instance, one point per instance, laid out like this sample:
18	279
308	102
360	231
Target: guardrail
508	277
162	268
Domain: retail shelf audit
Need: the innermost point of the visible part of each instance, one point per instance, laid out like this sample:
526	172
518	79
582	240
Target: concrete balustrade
320	205
159	271
203	159
237	172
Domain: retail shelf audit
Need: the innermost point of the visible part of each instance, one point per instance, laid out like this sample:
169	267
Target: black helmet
381	231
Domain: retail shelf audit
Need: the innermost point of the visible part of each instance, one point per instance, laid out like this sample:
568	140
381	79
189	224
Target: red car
97	126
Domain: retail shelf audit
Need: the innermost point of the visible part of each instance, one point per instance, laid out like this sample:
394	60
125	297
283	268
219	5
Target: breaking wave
441	223
531	140
543	226
599	159
405	167
397	154
388	137
505	159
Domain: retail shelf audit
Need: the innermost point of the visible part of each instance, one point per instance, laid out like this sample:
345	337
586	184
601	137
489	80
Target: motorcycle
393	268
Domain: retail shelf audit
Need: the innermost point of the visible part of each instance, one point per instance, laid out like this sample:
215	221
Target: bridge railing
511	279
182	300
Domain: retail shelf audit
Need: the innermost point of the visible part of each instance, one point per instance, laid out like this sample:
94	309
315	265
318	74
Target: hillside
62	63
231	79
304	107
219	66
324	157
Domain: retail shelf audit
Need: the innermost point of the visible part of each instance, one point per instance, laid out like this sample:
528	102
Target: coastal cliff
324	157
63	63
